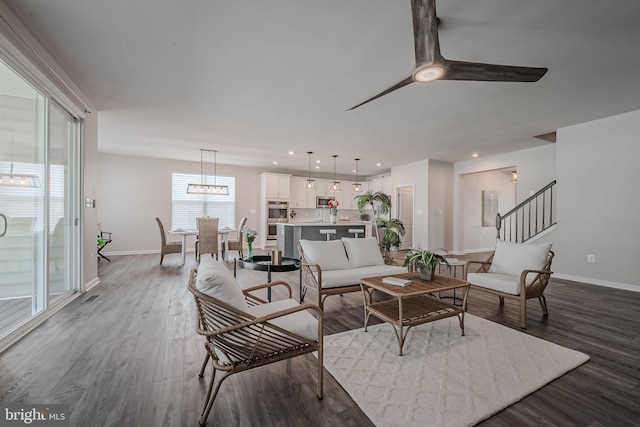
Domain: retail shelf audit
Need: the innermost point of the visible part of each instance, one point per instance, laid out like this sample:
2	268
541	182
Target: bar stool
328	233
356	231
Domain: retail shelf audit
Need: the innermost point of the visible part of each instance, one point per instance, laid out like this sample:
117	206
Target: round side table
263	263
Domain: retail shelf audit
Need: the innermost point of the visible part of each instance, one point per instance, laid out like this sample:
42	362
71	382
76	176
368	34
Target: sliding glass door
39	259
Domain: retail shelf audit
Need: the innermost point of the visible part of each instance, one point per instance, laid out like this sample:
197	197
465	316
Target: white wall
133	191
471	187
598	201
416	174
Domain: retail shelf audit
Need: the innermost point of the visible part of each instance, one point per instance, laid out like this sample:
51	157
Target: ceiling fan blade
476	71
396	86
425	31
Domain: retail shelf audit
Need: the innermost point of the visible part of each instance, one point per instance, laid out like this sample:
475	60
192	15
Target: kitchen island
290	233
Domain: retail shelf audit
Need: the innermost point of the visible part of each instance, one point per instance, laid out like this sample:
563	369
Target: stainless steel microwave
323	202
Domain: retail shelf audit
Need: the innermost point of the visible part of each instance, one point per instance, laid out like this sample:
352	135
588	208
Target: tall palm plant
377	199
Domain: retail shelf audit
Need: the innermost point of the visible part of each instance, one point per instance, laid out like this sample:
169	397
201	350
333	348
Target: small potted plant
393	230
425	261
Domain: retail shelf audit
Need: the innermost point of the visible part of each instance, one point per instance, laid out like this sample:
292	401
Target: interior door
405	214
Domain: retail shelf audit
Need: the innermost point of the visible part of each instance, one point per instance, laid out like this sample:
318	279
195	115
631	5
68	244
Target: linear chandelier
202	188
24	181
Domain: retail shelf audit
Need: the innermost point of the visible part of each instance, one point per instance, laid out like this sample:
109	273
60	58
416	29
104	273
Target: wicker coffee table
411	305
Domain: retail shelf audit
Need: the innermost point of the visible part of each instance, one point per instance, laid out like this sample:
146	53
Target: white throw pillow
329	255
216	280
363	252
512	258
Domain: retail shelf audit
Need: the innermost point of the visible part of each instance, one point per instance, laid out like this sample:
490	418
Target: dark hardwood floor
126	354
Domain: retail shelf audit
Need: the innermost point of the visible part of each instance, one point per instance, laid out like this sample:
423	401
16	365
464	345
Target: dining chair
236	244
166	247
207	237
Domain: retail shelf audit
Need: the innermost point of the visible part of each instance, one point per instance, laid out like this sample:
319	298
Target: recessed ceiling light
275	163
317	167
378	164
317	161
474	155
291	153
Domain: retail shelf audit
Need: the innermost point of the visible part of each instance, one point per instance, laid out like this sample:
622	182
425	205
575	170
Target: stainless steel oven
277	213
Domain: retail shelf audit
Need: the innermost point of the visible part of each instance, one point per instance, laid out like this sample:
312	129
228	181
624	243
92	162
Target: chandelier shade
335	185
356	187
310	184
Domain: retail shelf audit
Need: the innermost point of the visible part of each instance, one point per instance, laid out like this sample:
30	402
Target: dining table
222	232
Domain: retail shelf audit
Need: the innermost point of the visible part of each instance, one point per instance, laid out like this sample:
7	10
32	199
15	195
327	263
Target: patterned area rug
443	379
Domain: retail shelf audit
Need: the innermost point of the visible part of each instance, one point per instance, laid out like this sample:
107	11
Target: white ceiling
255	79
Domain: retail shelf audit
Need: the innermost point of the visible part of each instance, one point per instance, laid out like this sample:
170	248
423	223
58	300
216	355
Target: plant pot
428	275
333	218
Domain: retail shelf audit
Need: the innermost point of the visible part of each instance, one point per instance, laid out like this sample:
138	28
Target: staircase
530	218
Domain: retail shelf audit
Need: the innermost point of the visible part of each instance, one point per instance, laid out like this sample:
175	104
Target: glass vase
250	251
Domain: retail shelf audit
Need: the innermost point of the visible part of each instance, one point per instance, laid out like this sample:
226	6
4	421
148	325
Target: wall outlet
591	258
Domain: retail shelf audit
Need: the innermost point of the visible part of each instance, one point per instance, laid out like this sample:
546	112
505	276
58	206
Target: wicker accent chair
527	279
167	247
236	245
207	242
237	340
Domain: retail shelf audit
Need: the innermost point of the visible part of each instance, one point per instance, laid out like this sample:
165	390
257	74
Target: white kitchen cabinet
276	186
301	197
382	183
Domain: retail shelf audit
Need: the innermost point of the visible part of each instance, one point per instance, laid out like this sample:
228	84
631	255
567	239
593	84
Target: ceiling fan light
429	74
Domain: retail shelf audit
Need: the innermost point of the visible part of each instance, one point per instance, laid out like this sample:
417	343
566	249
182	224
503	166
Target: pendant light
310	184
356	187
202	188
335	185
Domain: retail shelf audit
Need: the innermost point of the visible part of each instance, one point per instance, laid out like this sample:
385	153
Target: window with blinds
185	208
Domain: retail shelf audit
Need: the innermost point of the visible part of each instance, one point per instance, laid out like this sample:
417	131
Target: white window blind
185	208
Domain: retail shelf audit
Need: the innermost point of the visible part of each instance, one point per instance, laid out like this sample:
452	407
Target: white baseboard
598	282
92	284
141	252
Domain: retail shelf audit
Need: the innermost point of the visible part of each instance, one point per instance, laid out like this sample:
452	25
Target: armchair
242	331
519	271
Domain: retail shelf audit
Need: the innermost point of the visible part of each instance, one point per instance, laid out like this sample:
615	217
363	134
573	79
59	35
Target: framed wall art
489	208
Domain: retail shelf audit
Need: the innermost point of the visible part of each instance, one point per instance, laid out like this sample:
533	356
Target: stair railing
529	218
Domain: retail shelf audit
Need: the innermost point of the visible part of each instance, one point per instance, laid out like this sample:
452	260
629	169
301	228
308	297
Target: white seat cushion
302	322
511	258
216	280
363	252
329	255
497	282
352	276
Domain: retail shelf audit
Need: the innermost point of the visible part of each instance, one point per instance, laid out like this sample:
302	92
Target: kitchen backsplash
317	215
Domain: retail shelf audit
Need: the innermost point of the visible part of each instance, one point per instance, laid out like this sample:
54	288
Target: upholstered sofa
335	267
518	271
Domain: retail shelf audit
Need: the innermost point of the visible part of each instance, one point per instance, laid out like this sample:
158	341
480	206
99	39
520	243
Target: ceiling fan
431	65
